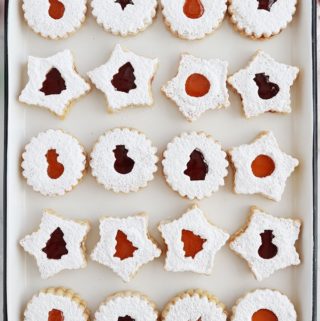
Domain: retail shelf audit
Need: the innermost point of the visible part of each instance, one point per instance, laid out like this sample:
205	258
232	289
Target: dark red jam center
263	166
124	3
124	79
266	88
267	250
192	243
54	84
56	9
197	168
266	4
55	315
264	315
123	163
197	85
56	246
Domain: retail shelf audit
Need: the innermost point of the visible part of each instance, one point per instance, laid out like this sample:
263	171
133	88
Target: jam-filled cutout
126	318
264	315
56	245
124	79
266	4
192	243
197	168
193	9
123	163
55	315
197	85
55	169
56	9
263	166
124	247
267	250
124	3
54	84
266	88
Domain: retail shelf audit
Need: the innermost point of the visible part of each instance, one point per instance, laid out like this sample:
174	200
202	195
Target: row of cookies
188	19
266	242
125	79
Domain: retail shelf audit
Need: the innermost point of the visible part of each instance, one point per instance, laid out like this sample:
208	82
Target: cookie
123	160
56	304
194	165
267	243
58	244
53	162
124	17
193	19
200	85
125	79
264	85
194	305
54	18
264	304
53	83
261	167
125	245
192	242
261	18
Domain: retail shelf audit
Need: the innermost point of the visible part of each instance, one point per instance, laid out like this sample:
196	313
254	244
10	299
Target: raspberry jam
123	163
54	84
55	315
56	246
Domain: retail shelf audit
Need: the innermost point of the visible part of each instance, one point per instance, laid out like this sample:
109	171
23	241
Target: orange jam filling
267	250
124	248
123	163
197	85
55	315
264	315
262	166
55	169
192	243
193	9
197	168
56	9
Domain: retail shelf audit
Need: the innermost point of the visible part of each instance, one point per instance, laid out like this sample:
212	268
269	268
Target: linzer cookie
56	304
194	165
200	85
58	244
267	243
192	242
123	160
261	18
53	83
125	245
53	162
125	79
193	19
264	85
261	167
124	17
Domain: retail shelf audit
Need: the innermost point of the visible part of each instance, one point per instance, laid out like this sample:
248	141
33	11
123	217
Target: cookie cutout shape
194	305
53	162
54	18
264	304
261	167
200	85
125	79
261	18
194	165
123	160
56	304
125	245
193	19
53	83
264	85
192	242
58	244
267	243
124	17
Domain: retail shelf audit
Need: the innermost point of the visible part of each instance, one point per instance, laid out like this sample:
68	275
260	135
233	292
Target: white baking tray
91	45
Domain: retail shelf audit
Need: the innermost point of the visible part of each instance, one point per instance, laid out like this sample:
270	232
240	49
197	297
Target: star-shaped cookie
53	83
125	79
261	167
264	85
58	244
200	85
125	245
267	243
192	242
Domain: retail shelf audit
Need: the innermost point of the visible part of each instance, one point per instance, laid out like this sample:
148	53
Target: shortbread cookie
125	245
123	160
53	83
192	242
127	306
53	162
194	305
261	18
124	17
58	244
56	304
264	85
264	304
267	243
193	19
125	79
200	85
194	165
54	18
261	167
